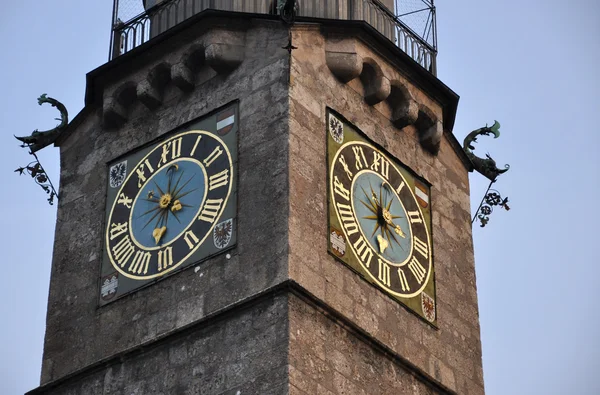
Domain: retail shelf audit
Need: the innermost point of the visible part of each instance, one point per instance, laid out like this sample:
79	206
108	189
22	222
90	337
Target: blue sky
530	65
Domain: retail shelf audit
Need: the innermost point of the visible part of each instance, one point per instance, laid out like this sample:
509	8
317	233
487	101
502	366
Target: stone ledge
284	288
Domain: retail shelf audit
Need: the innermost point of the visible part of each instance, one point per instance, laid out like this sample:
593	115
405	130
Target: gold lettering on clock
195	145
339	188
124	200
173	148
165	258
414	217
384	273
417	269
363	251
403	281
379	161
213	156
218	180
123	250
421	246
140	262
342	160
361	159
347	219
117	230
191	239
211	210
402	184
141	172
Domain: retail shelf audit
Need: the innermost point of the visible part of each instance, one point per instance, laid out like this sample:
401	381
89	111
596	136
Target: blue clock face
171	198
169	204
382	226
382	217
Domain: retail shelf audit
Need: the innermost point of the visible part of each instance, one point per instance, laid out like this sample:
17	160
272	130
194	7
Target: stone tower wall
78	332
279	303
450	355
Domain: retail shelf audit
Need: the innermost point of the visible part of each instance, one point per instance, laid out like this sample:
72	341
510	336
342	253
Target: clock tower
264	197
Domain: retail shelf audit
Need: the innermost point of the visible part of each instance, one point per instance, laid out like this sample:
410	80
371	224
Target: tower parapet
136	23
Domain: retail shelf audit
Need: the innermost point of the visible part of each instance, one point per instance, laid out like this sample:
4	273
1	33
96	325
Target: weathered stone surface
259	260
245	352
452	361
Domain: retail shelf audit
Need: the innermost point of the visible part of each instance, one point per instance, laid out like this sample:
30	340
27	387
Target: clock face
380	218
170	205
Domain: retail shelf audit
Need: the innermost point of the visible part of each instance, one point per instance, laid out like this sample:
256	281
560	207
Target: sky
531	65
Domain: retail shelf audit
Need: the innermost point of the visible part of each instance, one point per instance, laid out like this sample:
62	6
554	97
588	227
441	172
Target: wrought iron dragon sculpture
487	167
39	140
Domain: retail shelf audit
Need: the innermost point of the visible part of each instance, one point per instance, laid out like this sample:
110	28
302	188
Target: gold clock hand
158	233
383	244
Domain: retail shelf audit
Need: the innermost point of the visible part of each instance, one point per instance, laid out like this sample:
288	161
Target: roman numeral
384	273
417	269
141	172
363	251
165	258
218	180
403	281
117	230
422	247
123	251
402	184
213	156
339	188
380	165
172	147
196	145
342	160
191	239
347	218
124	200
140	262
361	159
414	217
211	210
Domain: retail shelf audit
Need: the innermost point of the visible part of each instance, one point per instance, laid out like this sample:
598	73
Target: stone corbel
182	77
430	130
405	109
150	91
114	113
224	58
345	66
149	95
115	107
377	90
224	50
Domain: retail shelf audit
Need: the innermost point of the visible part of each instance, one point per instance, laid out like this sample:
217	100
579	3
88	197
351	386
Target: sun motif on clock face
380	211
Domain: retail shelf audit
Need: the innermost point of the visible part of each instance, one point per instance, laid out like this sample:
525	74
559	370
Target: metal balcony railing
168	13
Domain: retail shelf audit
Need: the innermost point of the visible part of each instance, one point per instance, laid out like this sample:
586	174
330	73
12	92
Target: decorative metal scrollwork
491	199
37	172
39	140
487	167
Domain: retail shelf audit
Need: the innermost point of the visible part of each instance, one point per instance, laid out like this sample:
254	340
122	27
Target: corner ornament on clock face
381	219
169	204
